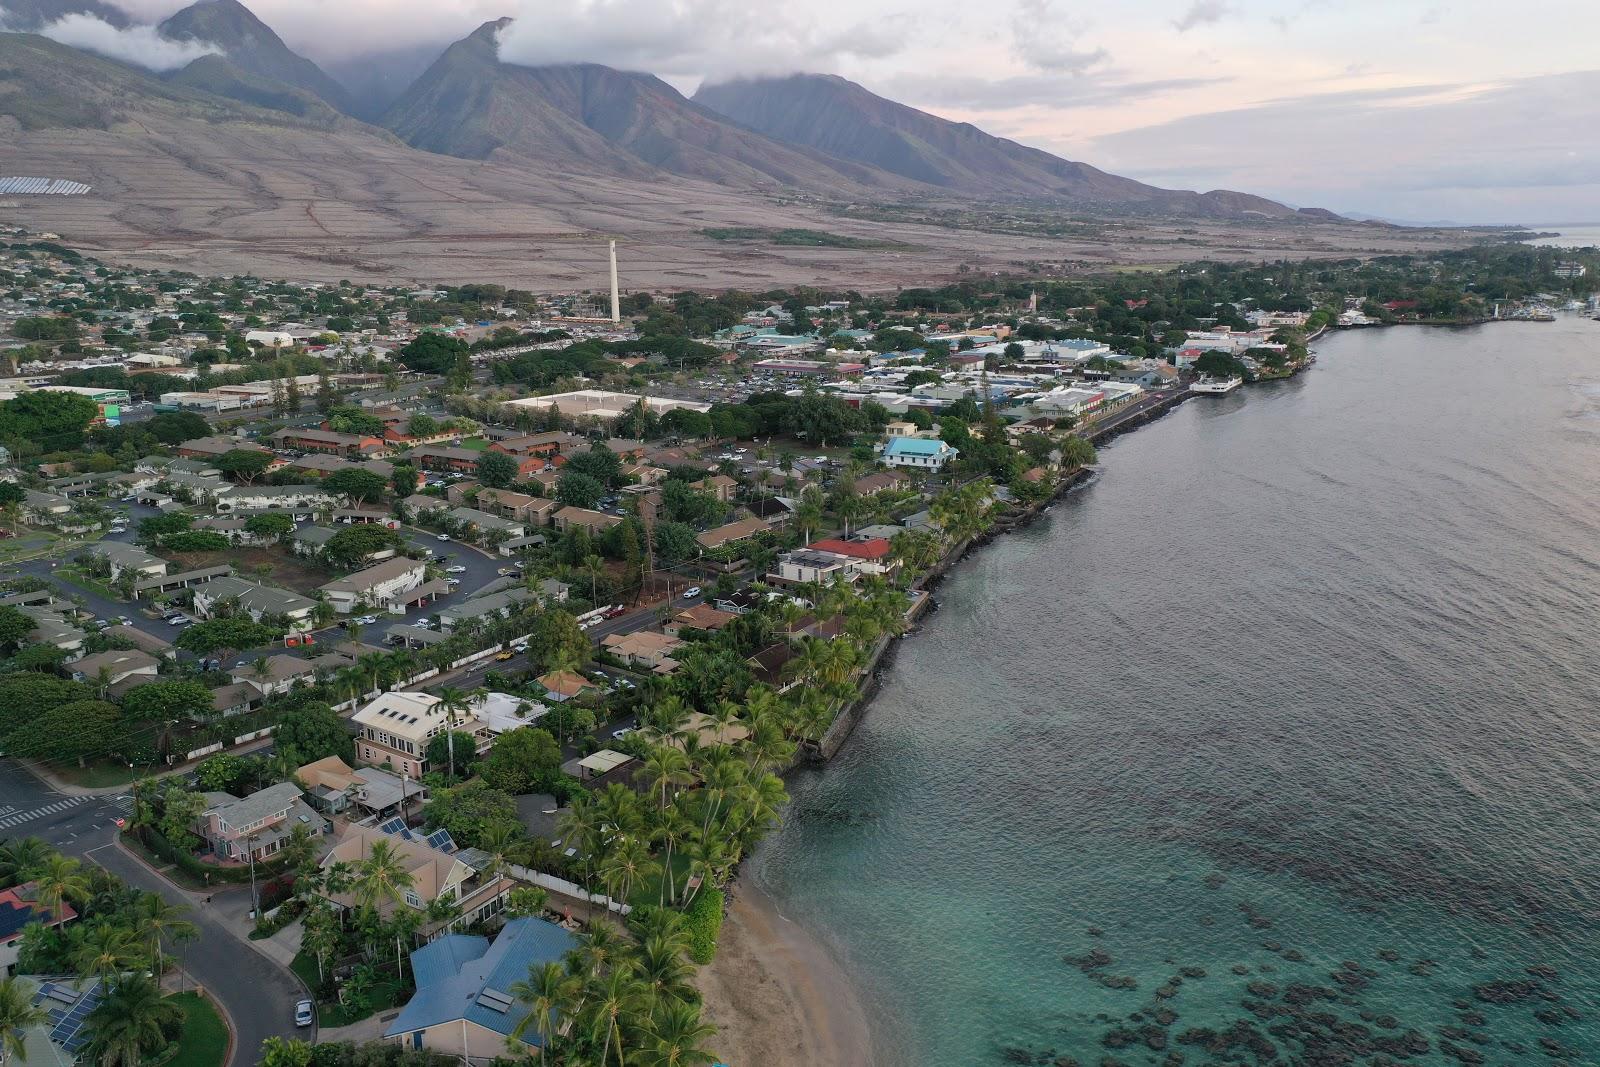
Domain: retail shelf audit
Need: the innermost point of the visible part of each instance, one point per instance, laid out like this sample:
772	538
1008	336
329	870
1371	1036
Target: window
412	899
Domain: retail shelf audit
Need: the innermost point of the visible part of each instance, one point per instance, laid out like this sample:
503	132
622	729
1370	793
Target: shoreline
775	995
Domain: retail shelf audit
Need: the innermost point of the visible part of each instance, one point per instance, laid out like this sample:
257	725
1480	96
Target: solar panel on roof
495	1000
393	826
441	840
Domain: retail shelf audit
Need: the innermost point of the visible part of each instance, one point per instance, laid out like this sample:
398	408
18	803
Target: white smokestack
616	299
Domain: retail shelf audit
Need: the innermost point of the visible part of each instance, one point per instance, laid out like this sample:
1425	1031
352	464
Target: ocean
1581	235
1279	742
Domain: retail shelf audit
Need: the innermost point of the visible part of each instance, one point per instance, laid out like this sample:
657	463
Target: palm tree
105	951
60	880
504	843
579	828
17	1016
352	630
675	1035
628	864
452	702
617	996
662	967
130	1021
19	858
599	947
548	990
706	858
672	826
666	769
158	919
381	877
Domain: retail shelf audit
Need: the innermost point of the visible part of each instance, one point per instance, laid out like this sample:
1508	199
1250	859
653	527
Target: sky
1468	111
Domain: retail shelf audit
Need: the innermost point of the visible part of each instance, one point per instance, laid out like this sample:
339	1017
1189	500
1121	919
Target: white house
918	453
383	586
255	600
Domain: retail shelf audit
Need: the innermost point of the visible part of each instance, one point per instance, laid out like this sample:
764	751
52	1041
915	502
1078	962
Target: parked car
620	734
458	569
691	592
368	620
503	656
443	537
302	1013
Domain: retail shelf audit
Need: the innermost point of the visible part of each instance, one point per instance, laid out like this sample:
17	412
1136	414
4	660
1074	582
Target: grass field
204	1042
277	565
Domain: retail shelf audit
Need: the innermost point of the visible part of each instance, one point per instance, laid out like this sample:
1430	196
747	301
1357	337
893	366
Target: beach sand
775	995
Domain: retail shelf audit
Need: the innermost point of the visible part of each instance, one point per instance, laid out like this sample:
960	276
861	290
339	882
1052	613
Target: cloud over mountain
141	45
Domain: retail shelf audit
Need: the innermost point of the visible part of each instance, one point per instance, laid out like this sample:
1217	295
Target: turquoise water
1279	743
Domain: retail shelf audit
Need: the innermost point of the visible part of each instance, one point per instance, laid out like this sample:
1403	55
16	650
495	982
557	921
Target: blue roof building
919	453
463	1004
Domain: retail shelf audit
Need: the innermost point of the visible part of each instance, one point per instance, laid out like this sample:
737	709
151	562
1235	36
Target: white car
620	734
442	537
302	1013
457	569
692	591
368	620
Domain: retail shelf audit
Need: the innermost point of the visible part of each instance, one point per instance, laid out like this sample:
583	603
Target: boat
1215	386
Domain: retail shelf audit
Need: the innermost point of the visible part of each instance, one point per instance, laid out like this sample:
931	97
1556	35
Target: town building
255	600
388	586
918	453
257	825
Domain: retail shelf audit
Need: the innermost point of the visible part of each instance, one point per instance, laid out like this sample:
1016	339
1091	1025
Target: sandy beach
776	997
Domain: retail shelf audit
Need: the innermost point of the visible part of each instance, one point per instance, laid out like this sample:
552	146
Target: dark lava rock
1267	968
1207	920
1016	1055
1472	1018
1166	1016
1551	1016
1545	971
1239	968
1272	946
1509	991
1094	931
1262	989
1422	968
1465	1055
1216	881
1174	1059
1066	1061
1118	1038
1167	992
1260	922
1294	955
1119	981
1154	1038
1192	972
1388	955
1388	1022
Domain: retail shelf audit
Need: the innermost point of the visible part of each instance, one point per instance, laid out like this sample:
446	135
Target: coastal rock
1545	971
1192	972
1262	989
1473	1018
1166	1016
1239	968
1388	955
1119	981
1216	880
1272	946
1094	931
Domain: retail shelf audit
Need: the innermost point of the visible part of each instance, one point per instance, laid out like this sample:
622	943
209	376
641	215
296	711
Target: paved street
257	994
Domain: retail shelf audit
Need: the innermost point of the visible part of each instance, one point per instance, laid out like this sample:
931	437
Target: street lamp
255	900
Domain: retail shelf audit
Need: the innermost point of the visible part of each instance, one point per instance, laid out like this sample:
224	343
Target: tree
403	479
59	881
358	485
157	528
579	490
273	524
244	465
1220	365
18	1016
48	420
354	420
453	753
1077	452
496	469
132	1022
432	353
14	628
352	545
75	731
235	635
675	541
157	920
168	701
676	1035
311	732
549	991
381	878
558	639
470	812
520	761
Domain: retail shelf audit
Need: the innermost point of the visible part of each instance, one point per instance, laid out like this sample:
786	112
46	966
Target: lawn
204	1041
278	565
476	444
99	775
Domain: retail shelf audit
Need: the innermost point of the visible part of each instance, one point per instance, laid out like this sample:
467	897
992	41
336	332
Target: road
257	994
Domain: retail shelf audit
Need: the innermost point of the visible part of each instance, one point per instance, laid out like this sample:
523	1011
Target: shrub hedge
704	923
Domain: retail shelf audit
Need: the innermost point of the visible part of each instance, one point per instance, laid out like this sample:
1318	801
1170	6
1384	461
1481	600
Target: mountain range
814	134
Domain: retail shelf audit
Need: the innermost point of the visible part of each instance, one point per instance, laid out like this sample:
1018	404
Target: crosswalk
12	817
